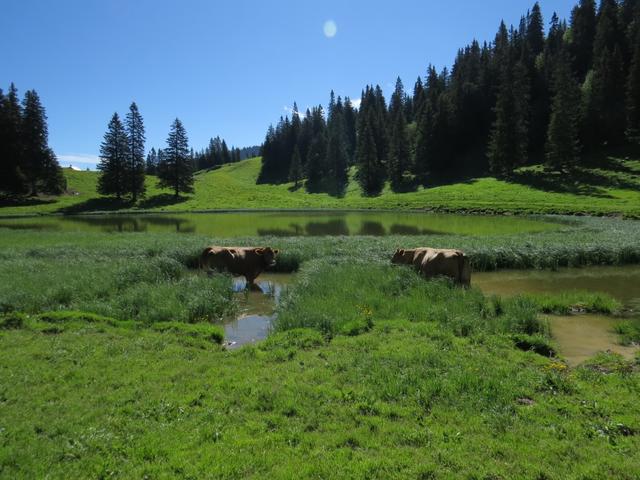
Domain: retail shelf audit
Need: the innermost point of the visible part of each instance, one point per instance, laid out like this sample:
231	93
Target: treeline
528	96
27	164
123	165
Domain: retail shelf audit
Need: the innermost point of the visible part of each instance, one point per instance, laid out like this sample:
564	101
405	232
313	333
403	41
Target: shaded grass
611	190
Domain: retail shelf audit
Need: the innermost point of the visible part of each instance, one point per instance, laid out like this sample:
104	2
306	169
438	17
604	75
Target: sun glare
330	29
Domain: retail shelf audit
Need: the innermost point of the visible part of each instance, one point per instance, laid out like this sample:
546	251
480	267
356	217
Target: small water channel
257	308
579	337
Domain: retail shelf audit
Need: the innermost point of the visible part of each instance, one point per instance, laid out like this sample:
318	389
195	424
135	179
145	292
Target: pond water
253	322
288	224
579	337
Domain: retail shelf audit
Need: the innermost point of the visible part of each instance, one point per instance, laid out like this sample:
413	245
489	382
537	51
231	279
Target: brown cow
247	261
433	262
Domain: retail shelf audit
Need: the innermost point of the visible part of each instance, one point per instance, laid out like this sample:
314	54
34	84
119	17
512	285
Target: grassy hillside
614	190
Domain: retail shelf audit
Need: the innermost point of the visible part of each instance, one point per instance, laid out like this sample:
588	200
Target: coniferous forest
533	95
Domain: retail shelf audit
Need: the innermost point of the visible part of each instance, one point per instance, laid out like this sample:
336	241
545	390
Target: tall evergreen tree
315	165
399	162
583	32
136	162
509	135
114	155
12	177
370	174
152	162
296	174
563	144
633	93
39	163
175	170
350	120
337	157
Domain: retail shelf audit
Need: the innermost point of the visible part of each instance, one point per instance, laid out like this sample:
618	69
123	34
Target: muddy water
256	308
579	337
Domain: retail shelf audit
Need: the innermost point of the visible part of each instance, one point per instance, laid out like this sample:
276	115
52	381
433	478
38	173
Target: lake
290	224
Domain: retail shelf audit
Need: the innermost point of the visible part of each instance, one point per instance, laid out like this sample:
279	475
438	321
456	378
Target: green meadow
614	190
112	362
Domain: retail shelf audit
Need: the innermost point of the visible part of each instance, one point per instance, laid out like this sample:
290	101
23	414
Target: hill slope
615	190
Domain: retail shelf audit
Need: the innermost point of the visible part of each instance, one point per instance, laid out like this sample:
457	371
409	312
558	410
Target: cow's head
268	255
403	257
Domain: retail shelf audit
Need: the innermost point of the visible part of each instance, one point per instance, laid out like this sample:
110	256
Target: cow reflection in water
249	262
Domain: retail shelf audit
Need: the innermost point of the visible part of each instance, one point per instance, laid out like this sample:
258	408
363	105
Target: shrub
12	321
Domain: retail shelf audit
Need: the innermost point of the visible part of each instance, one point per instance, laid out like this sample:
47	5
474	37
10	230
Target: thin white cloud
79	160
355	102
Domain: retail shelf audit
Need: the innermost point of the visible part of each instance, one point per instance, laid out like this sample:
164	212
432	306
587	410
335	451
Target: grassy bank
603	191
441	393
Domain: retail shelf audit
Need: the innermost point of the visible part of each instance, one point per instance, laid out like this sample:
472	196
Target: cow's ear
260	251
276	251
401	251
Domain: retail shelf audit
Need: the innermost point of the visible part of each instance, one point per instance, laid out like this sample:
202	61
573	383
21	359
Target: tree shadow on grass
20	201
100	204
161	200
579	181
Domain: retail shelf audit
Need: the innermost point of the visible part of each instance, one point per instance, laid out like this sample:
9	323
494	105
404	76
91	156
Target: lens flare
330	29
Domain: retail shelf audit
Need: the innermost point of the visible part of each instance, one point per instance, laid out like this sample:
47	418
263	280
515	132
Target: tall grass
343	298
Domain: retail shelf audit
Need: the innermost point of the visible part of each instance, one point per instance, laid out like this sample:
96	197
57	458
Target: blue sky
224	68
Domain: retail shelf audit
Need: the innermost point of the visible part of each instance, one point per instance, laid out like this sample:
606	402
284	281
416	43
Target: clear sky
227	68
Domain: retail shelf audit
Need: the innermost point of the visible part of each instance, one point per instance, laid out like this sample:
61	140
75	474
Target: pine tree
350	121
633	94
535	31
152	162
315	164
583	32
175	171
226	156
337	159
12	178
114	155
135	163
509	135
296	173
399	164
40	165
370	170
563	144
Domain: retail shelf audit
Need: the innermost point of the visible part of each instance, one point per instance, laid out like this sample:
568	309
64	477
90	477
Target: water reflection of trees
134	224
332	227
372	228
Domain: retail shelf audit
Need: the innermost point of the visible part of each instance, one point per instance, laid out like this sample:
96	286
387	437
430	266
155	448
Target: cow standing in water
434	262
246	261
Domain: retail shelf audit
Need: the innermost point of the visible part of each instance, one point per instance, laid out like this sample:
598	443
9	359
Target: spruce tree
12	177
38	161
509	136
399	164
175	170
633	95
535	31
296	173
315	165
370	170
337	159
114	155
136	161
152	162
583	32
563	144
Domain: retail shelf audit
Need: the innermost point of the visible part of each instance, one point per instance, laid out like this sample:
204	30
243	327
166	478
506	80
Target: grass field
111	364
614	190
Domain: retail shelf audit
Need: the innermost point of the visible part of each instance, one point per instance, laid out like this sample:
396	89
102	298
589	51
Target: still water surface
289	224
